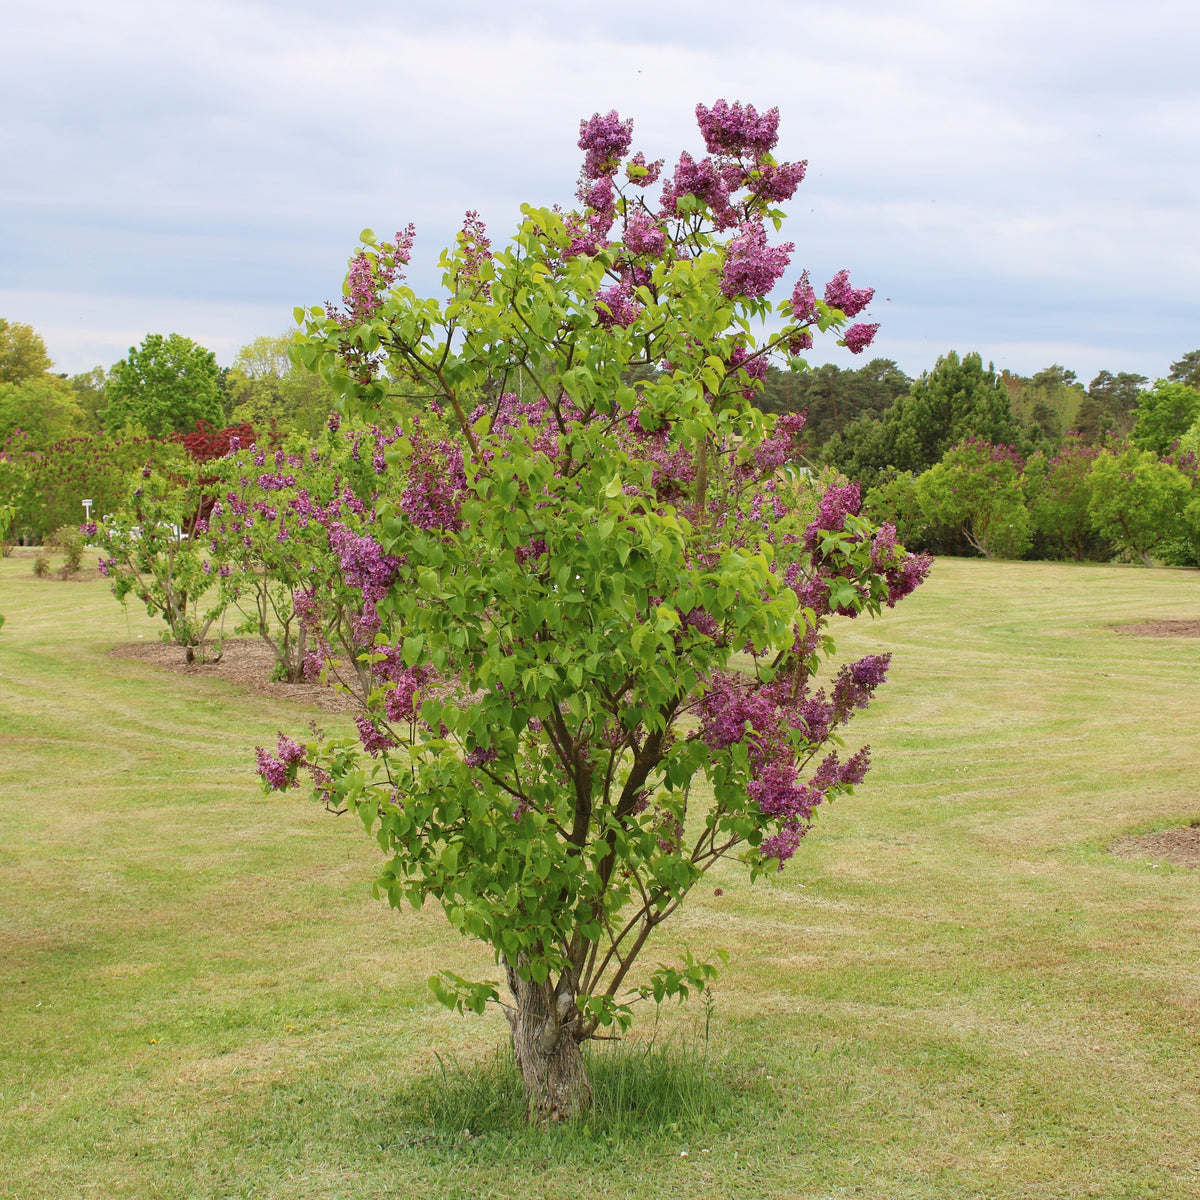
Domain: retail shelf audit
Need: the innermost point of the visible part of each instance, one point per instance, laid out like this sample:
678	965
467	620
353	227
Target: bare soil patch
1180	846
1188	627
245	662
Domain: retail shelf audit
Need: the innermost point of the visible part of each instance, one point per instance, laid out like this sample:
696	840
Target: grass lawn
954	990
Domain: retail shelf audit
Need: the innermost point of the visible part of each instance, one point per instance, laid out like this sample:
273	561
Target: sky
1018	179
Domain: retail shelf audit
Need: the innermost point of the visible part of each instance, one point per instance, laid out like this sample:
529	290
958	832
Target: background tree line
65	437
969	460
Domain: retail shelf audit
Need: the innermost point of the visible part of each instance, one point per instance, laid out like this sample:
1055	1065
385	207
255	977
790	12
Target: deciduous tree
22	352
959	398
1164	414
164	386
562	739
976	490
1059	505
1137	501
269	392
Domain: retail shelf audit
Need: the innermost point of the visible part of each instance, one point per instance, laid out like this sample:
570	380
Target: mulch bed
1160	628
245	662
1180	847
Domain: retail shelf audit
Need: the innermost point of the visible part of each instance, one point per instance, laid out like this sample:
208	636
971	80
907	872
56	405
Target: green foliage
976	491
1164	414
22	352
1138	502
896	499
1049	401
148	551
164	386
68	540
266	390
1059	493
864	451
45	408
1110	405
958	399
15	491
1186	370
89	391
833	396
1189	442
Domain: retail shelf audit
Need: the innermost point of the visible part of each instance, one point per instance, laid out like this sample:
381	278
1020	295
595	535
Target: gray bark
544	1025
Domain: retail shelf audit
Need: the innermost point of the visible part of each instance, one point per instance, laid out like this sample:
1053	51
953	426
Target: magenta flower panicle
859	337
839	294
737	129
278	770
752	267
804	301
605	141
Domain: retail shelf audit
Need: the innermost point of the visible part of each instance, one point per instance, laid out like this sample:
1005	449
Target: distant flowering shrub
48	487
290	542
149	549
976	489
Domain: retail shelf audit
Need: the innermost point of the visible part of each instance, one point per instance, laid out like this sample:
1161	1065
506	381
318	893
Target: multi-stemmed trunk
545	1027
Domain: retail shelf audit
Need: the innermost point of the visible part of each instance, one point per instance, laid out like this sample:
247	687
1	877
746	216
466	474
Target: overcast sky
1015	178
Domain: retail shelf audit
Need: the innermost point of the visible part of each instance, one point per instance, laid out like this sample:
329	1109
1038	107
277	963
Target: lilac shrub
150	549
976	491
596	618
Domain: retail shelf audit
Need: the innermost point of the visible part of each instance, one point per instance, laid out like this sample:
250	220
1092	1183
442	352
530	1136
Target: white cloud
1010	173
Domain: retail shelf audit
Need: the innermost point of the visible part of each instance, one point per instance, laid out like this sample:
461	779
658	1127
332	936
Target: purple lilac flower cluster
782	446
752	267
479	757
279	770
674	465
476	249
400	703
755	365
437	485
835	506
364	564
839	294
737	129
804	300
768	719
644	235
616	306
605	141
704	180
374	740
739	141
371	274
988	452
